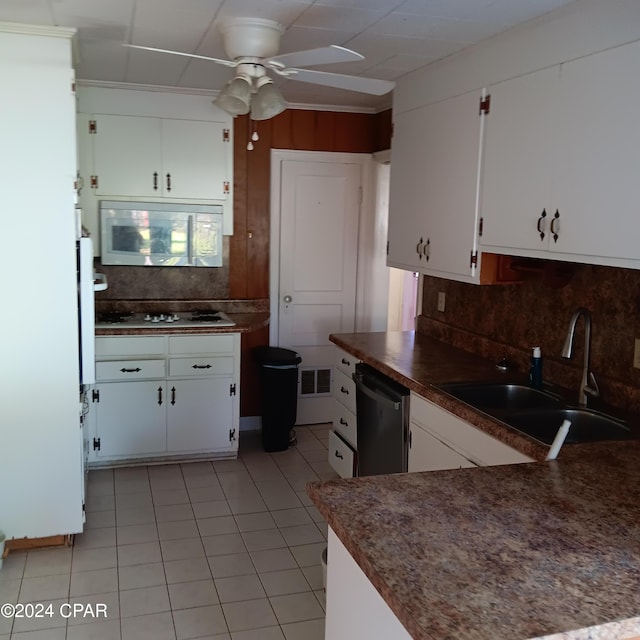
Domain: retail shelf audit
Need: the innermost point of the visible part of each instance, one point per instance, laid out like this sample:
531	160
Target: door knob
288	299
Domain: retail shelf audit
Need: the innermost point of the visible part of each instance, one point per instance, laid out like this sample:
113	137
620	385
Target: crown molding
212	93
36	30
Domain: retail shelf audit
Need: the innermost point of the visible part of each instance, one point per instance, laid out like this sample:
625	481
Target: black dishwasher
382	422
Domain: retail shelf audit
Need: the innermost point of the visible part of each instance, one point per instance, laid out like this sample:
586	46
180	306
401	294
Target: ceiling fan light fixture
235	97
267	101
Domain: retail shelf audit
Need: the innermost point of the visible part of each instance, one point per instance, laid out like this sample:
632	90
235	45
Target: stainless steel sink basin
586	426
501	397
537	413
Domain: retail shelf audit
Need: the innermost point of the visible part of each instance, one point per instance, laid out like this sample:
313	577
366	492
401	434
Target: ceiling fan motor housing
251	37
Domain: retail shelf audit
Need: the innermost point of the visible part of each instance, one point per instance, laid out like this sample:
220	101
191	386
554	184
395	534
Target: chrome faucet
567	351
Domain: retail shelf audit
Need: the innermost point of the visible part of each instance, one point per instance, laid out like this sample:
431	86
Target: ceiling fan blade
227	63
372	86
311	57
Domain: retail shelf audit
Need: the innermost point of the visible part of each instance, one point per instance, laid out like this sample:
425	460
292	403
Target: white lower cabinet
148	405
355	609
441	440
343	440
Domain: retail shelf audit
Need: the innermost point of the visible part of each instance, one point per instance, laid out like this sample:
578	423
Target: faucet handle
592	389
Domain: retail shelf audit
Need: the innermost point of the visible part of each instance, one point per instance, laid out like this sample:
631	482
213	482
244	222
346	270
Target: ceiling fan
253	44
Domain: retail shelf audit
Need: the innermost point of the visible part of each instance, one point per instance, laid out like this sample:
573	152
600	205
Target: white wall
40	463
580	28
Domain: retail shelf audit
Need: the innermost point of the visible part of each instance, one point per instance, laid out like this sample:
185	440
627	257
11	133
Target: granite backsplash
507	320
167	283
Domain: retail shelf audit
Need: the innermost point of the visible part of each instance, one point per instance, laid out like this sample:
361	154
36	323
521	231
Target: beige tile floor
208	550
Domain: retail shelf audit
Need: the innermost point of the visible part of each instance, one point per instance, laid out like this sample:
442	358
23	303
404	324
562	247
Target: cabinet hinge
226	187
410	438
387	247
93	126
232	435
226	135
473	262
73	87
96	444
480	227
95	395
232	389
93	181
485	104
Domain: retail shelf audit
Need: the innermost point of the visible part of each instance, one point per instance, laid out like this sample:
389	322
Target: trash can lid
276	356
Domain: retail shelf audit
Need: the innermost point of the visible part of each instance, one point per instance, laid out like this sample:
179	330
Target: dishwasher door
382	422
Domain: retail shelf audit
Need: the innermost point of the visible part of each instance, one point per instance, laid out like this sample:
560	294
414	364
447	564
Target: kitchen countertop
420	362
514	552
245	322
518	551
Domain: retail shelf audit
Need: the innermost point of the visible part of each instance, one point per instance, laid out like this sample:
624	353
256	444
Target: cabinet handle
419	248
345	361
160	395
555	225
168	182
540	224
343	422
173	395
155	180
201	366
339	455
136	370
345	391
427	249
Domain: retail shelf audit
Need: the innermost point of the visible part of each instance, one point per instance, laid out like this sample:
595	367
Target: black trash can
279	375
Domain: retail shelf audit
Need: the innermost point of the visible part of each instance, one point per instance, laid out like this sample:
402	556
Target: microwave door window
169	242
208	239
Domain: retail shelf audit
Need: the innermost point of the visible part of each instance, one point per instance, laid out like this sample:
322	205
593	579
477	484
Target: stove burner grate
114	317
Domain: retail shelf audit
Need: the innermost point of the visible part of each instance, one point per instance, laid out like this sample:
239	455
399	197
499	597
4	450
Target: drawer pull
339	455
173	395
201	366
343	422
160	395
345	391
136	370
345	361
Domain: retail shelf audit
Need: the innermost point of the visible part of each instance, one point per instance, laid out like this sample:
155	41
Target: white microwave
160	235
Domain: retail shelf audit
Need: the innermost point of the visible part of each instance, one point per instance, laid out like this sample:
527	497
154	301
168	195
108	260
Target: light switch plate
636	354
442	297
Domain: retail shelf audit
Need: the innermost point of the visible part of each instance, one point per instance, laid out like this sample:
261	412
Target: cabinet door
519	161
200	415
127	152
598	155
434	178
131	419
194	159
427	453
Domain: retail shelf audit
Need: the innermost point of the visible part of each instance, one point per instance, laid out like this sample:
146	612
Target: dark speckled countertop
509	552
548	549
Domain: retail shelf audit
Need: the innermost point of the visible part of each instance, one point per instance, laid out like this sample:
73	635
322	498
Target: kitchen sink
586	425
537	413
502	397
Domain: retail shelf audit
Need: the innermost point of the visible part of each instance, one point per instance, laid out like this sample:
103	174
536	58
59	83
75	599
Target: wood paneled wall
249	246
292	129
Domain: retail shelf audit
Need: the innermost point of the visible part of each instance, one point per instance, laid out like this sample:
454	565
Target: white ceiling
395	36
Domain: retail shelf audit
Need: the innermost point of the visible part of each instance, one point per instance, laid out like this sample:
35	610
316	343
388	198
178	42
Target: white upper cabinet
561	154
153	146
433	188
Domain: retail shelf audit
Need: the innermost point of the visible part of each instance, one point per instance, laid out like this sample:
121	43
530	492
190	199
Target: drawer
469	441
112	346
344	423
345	362
341	456
344	390
201	366
130	369
221	343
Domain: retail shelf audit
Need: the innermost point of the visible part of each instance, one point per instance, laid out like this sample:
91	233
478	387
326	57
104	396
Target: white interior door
315	285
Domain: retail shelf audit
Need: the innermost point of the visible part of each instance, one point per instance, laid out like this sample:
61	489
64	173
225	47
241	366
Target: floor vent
315	382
